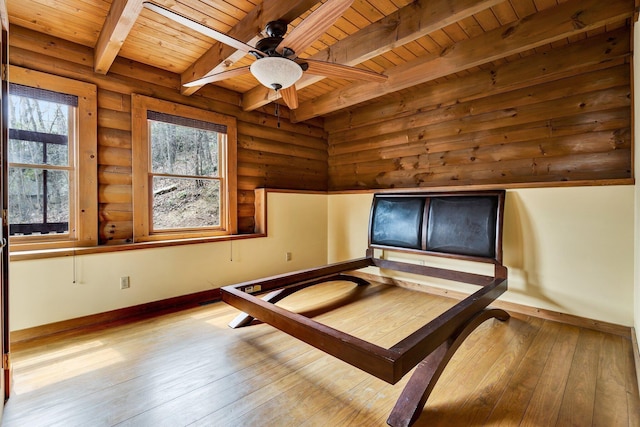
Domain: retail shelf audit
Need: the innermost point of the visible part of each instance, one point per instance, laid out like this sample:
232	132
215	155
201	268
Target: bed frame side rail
389	365
369	357
316	274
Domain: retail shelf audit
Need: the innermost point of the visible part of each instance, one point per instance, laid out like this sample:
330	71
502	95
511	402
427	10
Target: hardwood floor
189	368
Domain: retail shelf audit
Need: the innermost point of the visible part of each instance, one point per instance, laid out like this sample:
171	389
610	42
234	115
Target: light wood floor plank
545	403
481	400
227	394
511	406
190	369
472	375
633	395
610	409
580	392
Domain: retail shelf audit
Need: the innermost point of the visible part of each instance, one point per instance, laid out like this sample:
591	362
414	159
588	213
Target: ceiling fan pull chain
277	111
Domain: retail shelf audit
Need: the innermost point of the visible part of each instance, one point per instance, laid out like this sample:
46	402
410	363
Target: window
184	171
52	161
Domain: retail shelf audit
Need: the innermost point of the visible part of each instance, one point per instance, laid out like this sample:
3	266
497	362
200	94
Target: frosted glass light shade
275	72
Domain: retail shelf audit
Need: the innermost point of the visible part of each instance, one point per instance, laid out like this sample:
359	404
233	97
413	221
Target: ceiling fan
277	65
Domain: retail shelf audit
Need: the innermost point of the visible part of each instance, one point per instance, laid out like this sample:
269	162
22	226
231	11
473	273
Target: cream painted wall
567	249
43	291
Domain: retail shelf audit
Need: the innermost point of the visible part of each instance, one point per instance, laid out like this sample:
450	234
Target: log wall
292	156
556	116
560	116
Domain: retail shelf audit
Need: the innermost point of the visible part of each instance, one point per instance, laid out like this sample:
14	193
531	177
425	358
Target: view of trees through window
38	165
185	175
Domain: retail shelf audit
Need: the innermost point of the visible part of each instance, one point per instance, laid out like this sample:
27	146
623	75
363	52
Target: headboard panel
465	225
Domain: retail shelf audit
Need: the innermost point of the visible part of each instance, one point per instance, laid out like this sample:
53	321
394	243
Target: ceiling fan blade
196	26
290	96
219	76
316	24
330	69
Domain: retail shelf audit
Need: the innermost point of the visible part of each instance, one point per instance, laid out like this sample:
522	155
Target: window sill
64	252
260	231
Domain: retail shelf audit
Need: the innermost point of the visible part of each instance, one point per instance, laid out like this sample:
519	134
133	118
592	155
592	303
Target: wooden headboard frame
427	224
495	235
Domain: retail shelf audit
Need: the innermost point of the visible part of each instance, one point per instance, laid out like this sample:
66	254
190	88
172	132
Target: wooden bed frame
461	225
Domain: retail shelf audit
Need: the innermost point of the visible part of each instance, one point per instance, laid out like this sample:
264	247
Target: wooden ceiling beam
403	26
553	24
220	56
122	15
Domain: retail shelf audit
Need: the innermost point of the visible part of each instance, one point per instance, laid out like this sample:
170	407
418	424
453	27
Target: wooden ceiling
414	42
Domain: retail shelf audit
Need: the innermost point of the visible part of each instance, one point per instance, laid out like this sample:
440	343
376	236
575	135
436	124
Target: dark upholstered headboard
465	225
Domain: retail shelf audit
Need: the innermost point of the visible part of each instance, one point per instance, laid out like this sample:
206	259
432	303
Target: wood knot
446	50
577	23
508	32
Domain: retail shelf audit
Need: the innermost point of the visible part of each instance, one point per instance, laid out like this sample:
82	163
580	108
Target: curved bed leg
415	394
273	297
243	319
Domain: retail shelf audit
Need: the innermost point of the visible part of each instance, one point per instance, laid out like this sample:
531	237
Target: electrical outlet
287	256
124	282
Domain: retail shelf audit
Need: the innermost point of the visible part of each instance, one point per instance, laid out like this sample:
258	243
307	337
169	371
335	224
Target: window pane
39	131
38	115
37	152
28	205
180	150
185	203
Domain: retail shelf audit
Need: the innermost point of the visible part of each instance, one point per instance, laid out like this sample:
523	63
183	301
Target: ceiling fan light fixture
276	72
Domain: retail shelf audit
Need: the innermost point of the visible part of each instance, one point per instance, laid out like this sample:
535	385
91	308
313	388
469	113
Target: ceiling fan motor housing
268	45
276	28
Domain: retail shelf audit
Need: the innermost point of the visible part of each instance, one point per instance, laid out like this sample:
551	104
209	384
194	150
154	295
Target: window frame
83	162
142	175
